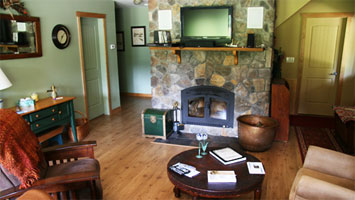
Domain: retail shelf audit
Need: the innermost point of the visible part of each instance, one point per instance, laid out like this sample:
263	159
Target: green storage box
157	123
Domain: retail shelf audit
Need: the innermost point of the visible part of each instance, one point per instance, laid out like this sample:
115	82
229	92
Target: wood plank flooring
134	168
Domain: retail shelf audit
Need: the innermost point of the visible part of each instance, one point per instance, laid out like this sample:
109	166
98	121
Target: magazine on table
255	168
227	155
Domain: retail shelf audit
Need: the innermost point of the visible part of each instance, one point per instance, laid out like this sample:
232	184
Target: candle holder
199	151
202	144
204	147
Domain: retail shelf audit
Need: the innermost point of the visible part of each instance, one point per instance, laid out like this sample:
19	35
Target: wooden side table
48	118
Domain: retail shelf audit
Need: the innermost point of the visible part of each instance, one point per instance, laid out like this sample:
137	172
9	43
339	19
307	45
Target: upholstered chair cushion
330	162
325	174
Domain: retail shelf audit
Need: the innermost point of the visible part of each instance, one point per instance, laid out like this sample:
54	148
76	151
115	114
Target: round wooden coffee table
198	185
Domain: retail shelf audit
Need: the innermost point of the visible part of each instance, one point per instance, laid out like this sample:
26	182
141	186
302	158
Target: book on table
221	176
227	155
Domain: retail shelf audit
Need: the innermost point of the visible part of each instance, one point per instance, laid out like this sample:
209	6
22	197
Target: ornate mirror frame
38	41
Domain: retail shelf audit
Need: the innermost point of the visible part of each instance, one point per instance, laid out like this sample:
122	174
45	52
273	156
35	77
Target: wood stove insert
207	105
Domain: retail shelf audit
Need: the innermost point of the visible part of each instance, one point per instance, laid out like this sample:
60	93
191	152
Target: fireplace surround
208	106
249	80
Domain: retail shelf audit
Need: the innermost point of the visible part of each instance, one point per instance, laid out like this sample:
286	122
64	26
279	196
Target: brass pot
256	133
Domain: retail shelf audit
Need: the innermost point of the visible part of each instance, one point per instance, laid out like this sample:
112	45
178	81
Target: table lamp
4	83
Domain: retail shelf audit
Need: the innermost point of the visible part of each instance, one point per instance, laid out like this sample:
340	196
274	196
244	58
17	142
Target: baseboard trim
136	95
116	110
312	121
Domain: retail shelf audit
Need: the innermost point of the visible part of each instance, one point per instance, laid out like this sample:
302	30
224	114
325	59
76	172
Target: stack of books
227	156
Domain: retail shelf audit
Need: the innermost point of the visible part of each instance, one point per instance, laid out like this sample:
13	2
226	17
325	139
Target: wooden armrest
66	179
53	184
9	193
312	188
71	150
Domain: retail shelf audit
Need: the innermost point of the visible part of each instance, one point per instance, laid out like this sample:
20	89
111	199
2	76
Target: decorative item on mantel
202	137
137	2
4	83
14	4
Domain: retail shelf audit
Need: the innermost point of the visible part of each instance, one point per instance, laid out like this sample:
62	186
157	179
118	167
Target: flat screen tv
206	26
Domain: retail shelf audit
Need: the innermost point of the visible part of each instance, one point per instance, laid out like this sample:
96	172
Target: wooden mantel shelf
177	50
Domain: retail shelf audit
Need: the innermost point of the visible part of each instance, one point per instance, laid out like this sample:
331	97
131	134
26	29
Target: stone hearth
249	80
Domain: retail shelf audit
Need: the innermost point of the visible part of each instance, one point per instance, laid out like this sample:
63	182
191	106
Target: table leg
257	193
177	192
72	120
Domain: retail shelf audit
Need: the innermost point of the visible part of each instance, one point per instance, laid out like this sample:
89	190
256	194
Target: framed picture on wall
120	41
138	36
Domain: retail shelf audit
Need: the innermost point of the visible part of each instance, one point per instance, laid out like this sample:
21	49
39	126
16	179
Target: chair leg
96	189
63	195
73	195
99	189
93	189
54	196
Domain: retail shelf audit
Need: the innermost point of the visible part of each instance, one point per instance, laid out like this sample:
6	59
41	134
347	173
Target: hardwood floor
134	168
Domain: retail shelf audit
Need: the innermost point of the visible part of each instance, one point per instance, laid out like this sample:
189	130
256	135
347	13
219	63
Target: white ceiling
129	3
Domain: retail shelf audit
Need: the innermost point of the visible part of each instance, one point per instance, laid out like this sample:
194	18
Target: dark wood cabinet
345	132
280	108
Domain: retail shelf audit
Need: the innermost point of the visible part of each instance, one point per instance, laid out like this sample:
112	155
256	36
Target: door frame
304	17
79	15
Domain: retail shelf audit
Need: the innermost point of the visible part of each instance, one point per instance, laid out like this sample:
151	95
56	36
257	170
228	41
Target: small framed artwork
138	36
120	41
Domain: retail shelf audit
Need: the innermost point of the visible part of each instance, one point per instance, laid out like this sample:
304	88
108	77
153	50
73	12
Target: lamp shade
4	81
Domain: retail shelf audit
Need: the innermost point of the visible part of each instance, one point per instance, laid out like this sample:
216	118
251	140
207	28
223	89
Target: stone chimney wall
249	80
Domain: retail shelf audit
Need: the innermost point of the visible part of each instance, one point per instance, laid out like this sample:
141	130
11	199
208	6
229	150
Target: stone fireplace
249	80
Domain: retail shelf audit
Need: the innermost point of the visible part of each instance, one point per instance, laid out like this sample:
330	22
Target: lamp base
1	103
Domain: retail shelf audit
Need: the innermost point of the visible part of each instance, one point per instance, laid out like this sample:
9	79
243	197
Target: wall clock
61	36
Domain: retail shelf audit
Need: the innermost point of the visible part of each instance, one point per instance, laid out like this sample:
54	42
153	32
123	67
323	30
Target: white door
91	51
322	54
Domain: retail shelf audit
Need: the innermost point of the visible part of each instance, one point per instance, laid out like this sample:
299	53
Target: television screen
214	23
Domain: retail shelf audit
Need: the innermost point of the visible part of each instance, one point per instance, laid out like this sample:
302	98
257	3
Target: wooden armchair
66	173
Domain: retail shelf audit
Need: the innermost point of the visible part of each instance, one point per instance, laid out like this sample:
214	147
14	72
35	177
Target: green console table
50	116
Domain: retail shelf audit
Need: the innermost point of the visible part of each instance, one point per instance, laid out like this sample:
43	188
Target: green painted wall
133	62
59	67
